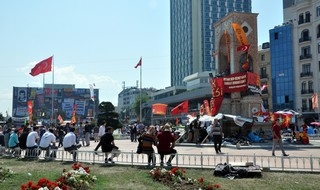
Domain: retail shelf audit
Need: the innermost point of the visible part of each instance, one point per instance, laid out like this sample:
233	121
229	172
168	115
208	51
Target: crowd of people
70	137
36	138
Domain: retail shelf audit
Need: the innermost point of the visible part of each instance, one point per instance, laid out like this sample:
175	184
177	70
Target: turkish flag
181	108
42	67
244	48
139	63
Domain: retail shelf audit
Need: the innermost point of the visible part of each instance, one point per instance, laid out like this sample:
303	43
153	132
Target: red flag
314	100
286	118
207	107
30	106
60	119
216	104
159	109
181	108
73	119
244	48
42	67
263	87
139	63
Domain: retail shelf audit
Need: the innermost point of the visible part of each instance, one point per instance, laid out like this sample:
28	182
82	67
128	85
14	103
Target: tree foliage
107	113
136	106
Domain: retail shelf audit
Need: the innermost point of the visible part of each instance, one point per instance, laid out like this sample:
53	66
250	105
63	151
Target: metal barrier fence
209	161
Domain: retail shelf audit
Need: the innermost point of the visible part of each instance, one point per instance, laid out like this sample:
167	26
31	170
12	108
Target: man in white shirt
32	144
102	129
47	143
70	143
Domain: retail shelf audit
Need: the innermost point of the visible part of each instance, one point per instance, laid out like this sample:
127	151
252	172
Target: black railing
301	21
263	76
310	91
306	56
304	39
306	74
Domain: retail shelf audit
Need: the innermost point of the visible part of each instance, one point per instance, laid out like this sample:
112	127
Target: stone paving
260	149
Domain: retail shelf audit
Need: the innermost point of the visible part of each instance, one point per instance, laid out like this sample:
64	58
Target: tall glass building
282	67
192	34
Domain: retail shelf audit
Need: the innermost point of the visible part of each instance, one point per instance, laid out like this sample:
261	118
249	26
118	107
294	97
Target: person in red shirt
166	143
304	127
277	138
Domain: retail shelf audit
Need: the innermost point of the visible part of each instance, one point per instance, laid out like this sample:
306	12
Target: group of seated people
36	139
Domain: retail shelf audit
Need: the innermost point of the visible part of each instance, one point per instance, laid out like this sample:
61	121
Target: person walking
102	129
87	133
147	140
166	144
195	126
276	128
80	133
133	132
61	133
96	133
107	145
216	132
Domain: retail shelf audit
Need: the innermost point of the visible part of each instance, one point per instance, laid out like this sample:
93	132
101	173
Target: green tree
136	106
107	113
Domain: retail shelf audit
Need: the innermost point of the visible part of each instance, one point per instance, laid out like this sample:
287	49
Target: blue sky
97	41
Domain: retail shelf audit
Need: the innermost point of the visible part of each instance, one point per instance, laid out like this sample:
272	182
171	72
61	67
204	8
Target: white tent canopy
238	120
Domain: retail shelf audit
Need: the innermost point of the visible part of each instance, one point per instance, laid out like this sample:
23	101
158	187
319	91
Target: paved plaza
259	149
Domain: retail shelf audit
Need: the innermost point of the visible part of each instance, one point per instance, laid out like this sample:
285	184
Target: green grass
137	178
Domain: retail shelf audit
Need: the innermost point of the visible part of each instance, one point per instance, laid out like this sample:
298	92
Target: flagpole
94	104
43	80
52	89
140	117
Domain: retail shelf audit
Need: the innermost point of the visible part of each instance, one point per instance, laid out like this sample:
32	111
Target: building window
263	72
305	35
303	86
308	16
304	105
310	104
310	86
286	99
262	57
306	68
318	11
276	35
318	47
265	103
305	50
300	21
